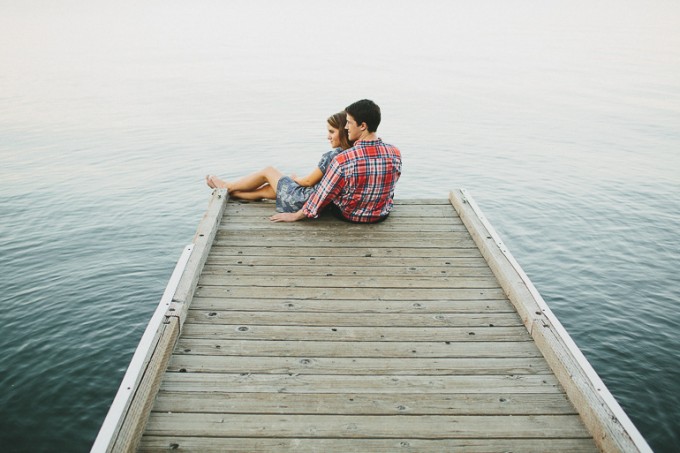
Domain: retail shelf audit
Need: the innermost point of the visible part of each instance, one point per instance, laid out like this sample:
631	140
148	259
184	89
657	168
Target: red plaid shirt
360	181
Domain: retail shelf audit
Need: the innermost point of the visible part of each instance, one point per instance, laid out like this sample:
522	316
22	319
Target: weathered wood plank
404	223
367	255
354	334
368	349
406	445
203	240
365	404
353	306
249	224
375	235
313	270
356	282
419	201
133	424
358	366
377	294
236	259
292	383
335	241
421	426
353	319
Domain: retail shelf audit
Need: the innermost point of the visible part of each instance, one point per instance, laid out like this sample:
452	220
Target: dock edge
125	421
604	418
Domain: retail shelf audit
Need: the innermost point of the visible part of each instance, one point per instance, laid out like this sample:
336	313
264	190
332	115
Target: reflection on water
561	120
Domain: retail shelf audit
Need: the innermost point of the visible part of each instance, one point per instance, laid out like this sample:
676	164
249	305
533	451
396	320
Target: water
562	118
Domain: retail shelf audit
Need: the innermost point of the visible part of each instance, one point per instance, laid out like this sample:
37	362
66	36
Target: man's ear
363	126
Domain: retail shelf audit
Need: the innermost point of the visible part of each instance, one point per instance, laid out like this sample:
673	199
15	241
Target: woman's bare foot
215	182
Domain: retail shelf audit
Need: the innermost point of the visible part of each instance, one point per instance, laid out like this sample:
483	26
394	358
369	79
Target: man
358	185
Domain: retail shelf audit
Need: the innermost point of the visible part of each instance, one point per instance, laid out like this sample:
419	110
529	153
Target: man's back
371	169
360	181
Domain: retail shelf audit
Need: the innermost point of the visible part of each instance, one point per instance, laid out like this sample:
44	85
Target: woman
290	192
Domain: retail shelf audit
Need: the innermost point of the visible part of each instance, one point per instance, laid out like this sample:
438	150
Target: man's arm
288	216
330	187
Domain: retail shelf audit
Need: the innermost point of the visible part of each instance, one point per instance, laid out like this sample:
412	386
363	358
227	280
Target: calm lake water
561	117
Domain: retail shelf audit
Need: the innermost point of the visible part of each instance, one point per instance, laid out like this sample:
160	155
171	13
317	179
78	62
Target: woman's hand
288	216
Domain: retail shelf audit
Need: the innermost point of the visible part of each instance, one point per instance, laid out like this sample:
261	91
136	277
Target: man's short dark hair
365	111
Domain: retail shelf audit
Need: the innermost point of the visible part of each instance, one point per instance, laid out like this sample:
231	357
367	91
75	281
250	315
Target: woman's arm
311	179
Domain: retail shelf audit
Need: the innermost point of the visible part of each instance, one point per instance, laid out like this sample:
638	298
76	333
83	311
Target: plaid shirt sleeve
330	187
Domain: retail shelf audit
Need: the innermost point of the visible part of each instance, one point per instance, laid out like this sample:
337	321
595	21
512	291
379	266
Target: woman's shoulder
329	155
333	152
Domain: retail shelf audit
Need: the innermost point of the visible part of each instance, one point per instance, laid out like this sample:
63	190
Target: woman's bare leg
250	183
266	191
215	183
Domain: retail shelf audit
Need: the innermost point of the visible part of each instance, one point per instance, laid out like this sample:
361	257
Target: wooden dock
420	333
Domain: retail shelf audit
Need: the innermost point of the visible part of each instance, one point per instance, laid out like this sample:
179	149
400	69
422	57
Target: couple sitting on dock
354	181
